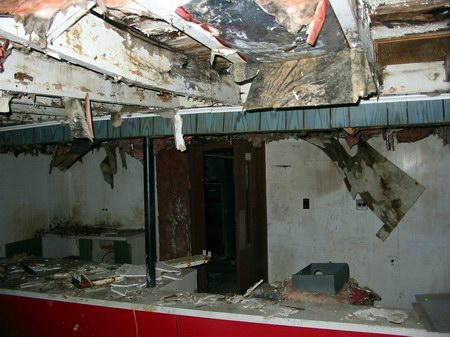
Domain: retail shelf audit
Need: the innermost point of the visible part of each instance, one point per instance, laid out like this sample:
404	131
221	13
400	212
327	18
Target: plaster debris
4	103
167	270
178	127
77	118
275	310
394	316
251	289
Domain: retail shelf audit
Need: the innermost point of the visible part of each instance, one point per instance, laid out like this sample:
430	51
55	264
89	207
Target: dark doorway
228	214
219	220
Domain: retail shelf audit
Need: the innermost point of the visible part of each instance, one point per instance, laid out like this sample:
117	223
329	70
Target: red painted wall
22	316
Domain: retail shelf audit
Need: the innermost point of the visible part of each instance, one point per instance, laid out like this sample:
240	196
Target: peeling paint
23	77
57	86
165	97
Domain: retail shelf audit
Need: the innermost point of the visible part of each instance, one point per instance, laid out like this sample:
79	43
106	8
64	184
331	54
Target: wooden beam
167	11
415	78
407	6
96	45
34	74
345	11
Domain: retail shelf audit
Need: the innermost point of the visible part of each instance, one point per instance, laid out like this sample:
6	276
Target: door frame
197	202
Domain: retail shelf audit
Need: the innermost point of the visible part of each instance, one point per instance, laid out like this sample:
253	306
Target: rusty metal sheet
386	189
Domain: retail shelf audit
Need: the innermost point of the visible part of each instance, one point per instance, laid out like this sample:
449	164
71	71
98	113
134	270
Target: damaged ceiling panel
267	30
343	78
411	46
386	189
179	54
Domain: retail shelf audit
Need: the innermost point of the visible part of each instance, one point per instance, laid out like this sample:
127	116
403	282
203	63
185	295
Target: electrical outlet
360	204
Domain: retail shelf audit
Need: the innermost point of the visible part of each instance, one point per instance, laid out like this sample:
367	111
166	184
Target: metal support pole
149	206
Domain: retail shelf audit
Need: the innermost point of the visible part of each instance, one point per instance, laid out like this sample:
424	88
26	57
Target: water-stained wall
29	196
413	260
94	202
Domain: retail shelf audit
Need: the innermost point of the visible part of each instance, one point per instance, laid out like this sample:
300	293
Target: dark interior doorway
228	214
219	220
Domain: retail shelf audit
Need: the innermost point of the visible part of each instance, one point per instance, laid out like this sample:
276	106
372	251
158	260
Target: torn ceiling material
80	120
267	31
323	80
387	190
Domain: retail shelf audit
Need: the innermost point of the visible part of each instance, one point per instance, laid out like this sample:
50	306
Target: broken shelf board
189	261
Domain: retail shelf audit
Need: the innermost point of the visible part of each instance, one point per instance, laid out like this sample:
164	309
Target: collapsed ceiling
143	56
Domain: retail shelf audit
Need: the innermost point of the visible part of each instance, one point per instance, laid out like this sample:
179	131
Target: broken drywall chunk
387	190
109	165
77	118
4	103
178	126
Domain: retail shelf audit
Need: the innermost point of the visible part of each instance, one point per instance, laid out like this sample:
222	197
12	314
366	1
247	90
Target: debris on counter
252	303
82	281
361	295
351	293
131	281
371	314
164	270
209	299
190	261
252	288
275	310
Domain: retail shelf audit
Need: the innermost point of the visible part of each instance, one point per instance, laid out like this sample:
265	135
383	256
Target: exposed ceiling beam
34	74
345	11
64	20
166	10
379	33
95	44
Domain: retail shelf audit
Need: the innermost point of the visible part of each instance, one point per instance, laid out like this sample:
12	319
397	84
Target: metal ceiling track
395	114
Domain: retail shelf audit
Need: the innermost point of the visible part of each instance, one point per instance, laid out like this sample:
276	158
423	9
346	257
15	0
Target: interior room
225	168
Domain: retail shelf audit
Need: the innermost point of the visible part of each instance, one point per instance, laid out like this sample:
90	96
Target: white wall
93	201
29	196
413	260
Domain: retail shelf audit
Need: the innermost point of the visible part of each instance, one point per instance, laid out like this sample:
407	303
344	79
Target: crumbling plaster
413	260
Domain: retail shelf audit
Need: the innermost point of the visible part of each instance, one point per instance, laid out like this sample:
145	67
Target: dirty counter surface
57	280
